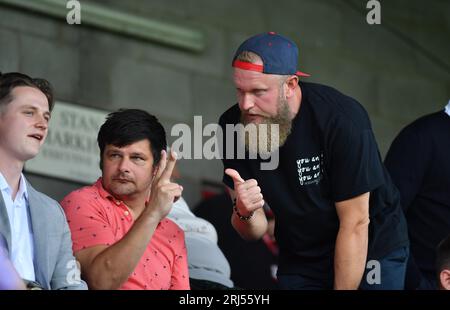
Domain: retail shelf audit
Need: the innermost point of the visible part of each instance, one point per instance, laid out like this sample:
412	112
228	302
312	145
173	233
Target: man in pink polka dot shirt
119	231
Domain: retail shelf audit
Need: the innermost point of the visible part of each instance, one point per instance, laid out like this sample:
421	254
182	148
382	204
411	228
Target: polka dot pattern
96	218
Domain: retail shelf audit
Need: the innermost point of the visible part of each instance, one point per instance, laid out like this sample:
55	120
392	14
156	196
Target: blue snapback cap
278	53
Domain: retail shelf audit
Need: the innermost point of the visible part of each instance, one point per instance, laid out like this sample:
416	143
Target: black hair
126	126
11	80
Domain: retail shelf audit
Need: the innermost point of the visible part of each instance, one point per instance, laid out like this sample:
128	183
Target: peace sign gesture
163	191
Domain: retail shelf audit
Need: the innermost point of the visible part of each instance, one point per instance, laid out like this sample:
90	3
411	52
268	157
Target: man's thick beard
268	138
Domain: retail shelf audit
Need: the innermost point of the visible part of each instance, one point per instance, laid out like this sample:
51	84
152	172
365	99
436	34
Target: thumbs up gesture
248	194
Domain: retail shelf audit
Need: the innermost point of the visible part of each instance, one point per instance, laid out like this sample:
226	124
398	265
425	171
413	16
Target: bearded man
339	222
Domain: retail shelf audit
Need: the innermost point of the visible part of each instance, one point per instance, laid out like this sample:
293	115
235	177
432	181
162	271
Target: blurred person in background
10	279
443	264
418	162
208	266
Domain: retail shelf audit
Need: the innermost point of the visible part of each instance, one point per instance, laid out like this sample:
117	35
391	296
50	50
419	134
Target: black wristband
241	217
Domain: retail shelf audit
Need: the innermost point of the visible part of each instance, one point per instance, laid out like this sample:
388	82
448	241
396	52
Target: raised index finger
167	173
162	164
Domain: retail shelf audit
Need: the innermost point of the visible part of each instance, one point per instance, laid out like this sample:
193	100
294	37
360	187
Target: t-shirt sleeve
180	271
354	161
406	162
89	226
229	156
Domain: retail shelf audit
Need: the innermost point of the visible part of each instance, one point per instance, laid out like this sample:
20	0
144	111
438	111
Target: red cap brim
299	73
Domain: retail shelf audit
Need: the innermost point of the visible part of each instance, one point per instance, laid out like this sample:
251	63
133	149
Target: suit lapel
5	228
40	235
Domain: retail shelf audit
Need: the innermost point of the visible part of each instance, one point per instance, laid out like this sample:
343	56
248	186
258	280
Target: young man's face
128	171
24	123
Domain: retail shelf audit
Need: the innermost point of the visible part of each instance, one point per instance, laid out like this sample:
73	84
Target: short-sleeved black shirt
331	155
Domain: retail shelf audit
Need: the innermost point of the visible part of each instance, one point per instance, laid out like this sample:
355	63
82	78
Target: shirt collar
23	190
101	190
447	108
3	184
104	193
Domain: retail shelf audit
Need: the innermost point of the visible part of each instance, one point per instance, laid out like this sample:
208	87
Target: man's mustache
122	177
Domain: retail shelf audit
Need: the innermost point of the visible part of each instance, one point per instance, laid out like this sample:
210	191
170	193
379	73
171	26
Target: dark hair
443	255
9	81
127	126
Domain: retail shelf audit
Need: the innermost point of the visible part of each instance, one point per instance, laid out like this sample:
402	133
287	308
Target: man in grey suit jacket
34	226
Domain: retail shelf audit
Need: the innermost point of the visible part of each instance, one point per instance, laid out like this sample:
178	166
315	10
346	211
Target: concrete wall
398	70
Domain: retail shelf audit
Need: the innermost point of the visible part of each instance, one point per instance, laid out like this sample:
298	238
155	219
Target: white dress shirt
447	108
22	244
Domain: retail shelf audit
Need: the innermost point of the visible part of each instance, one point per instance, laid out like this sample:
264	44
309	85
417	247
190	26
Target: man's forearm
112	267
350	257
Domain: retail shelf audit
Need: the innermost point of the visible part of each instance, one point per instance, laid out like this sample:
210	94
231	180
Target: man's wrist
150	217
242	217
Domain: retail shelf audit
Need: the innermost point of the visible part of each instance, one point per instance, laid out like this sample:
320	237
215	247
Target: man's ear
291	84
444	278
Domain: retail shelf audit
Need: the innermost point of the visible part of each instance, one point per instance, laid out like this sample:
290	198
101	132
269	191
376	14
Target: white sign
70	150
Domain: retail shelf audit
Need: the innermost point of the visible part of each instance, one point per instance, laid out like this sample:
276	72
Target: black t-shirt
330	156
418	161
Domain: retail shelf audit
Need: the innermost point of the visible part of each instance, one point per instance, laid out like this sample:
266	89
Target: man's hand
248	194
163	191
